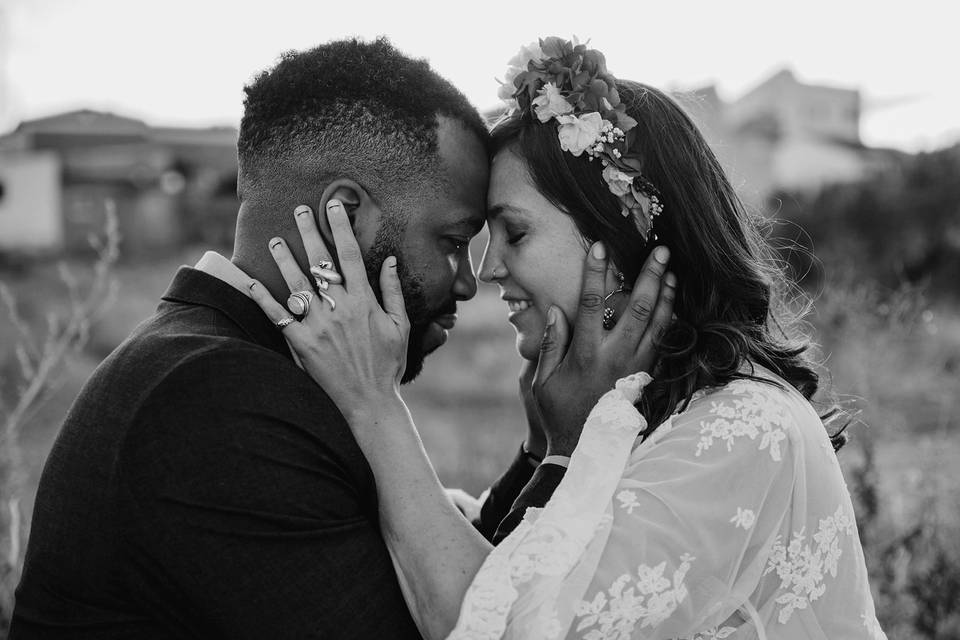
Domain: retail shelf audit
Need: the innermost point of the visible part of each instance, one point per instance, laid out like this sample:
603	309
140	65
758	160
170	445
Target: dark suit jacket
203	486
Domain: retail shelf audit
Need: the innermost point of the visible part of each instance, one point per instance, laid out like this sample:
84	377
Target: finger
636	317
292	274
348	251
273	309
661	319
313	243
553	346
391	292
589	324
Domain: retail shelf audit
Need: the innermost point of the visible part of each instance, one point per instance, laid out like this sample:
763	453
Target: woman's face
535	253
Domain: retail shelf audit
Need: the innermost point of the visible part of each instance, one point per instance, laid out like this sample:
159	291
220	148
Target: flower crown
560	80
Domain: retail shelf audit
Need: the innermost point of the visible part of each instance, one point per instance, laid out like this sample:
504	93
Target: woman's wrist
374	411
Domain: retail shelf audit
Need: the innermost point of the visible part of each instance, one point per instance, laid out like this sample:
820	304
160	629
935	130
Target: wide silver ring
299	302
285	322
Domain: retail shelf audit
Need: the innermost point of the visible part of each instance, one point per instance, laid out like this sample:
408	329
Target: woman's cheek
530	333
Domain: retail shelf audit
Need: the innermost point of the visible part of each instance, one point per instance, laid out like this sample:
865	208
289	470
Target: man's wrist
561	461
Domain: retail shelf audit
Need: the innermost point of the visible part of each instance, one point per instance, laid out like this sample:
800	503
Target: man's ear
365	215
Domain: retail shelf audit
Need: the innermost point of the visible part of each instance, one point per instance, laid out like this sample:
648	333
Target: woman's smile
516	307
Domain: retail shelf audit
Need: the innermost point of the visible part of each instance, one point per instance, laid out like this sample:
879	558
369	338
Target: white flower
744	518
617	180
628	500
577	134
550	102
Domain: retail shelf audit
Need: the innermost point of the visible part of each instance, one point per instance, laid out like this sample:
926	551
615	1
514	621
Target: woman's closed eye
515	234
515	238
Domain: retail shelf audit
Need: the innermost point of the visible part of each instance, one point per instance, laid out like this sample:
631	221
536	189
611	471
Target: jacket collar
217	283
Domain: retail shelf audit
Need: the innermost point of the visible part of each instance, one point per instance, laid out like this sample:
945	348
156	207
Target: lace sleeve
730	521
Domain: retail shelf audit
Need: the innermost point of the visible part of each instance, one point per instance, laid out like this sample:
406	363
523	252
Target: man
202	485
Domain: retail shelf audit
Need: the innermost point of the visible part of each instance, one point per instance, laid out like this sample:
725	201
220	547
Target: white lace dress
731	521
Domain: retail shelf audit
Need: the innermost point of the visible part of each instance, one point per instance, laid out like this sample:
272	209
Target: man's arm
536	493
525	483
252	512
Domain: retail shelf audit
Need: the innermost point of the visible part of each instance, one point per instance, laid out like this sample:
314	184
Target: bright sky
185	61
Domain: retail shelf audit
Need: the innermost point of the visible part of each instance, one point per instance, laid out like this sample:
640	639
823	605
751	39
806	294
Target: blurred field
899	366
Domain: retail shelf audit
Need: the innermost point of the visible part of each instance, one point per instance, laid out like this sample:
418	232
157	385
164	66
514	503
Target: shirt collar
216	265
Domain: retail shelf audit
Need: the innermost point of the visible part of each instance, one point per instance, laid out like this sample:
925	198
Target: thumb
391	292
553	346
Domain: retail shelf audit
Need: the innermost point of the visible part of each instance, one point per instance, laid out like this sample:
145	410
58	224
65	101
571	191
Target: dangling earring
608	320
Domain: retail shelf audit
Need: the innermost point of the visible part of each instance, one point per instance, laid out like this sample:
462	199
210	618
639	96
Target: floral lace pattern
628	500
714	633
803	567
744	518
549	541
649	599
611	555
752	414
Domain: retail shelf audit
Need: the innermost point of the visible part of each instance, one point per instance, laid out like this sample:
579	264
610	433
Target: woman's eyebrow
497	209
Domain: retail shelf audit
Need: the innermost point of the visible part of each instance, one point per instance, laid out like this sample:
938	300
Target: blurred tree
902	225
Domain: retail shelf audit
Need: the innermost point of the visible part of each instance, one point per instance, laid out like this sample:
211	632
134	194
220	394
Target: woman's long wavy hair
731	303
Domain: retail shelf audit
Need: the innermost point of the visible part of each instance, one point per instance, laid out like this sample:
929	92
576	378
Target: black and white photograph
479	321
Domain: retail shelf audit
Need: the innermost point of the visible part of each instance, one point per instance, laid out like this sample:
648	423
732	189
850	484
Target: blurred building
782	136
786	135
169	185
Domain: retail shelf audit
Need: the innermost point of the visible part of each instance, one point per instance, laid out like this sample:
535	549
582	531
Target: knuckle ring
284	323
299	302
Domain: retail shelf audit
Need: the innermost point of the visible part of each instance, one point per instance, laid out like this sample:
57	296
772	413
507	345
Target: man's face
433	253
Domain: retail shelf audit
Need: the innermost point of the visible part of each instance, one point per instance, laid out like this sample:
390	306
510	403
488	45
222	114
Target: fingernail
301	210
661	254
599	251
391	262
551	317
670	280
332	204
276	242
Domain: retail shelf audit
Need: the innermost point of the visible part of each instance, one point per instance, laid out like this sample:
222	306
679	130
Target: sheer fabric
731	521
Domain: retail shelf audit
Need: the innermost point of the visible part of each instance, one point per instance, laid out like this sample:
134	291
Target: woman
706	503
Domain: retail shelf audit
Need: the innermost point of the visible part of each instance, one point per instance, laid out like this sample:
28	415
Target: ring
326	296
324	274
284	323
299	302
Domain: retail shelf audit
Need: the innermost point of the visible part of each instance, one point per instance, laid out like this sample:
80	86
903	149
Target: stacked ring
299	302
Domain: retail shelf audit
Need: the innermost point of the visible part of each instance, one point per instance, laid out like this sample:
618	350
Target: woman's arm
357	352
436	550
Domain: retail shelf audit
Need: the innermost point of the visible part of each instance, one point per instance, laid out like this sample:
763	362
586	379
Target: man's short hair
349	108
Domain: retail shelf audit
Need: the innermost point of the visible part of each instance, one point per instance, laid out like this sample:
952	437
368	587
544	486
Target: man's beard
415	300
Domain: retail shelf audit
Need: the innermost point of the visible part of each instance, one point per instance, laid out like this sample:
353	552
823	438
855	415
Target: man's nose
465	286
